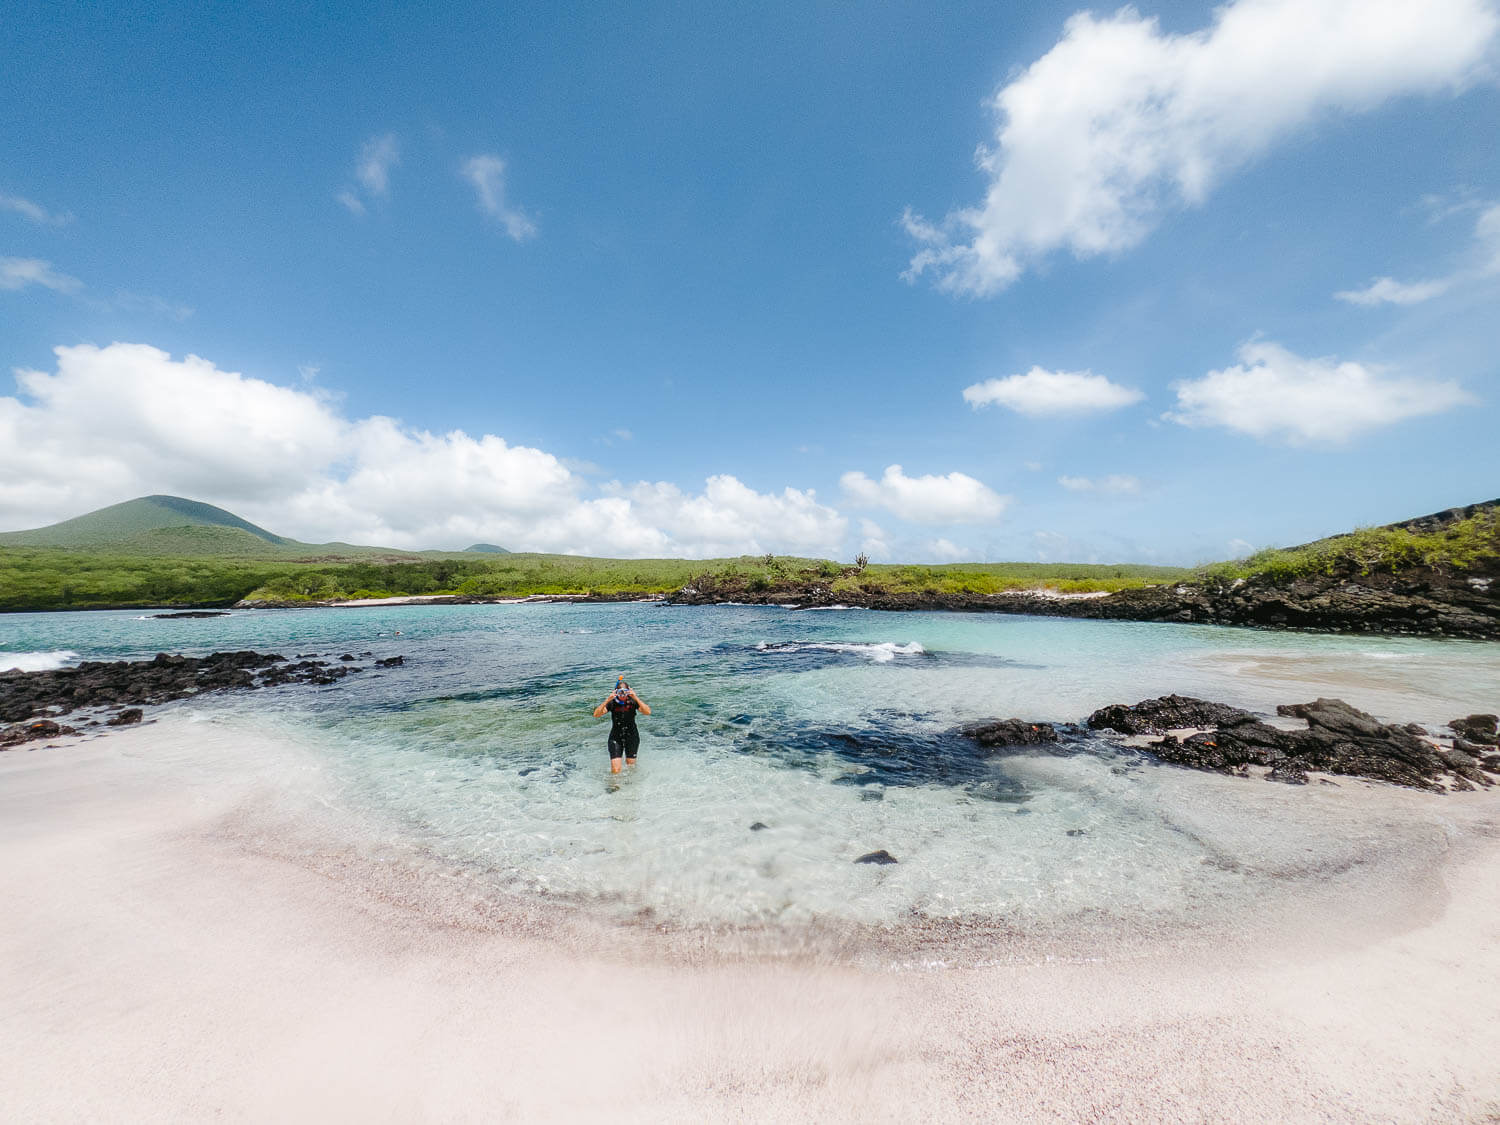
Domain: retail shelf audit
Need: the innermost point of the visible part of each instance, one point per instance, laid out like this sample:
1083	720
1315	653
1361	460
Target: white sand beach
179	947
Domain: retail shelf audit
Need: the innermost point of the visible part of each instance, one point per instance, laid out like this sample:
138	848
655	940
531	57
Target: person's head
622	689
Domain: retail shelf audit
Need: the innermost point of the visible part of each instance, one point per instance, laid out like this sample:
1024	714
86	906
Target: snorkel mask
622	690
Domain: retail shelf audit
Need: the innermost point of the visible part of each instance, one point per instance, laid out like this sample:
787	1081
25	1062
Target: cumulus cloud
1115	484
945	550
873	540
1485	262
1119	122
954	498
377	156
18	273
1051	392
1274	393
35	212
125	420
487	175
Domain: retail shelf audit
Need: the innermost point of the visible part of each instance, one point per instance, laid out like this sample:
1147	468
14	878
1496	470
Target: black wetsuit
623	737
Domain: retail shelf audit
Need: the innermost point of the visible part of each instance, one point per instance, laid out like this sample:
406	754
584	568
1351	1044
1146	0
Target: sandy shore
180	950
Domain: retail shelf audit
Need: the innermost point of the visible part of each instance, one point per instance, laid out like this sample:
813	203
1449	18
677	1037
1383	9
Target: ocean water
834	732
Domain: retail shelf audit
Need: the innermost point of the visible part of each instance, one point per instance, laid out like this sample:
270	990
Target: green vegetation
52	578
118	523
1460	545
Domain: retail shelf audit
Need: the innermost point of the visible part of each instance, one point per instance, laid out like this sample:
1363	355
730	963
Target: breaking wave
36	661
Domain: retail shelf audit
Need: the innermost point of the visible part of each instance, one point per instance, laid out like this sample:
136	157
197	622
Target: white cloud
1241	548
127	420
955	498
1051	392
1115	484
34	211
1388	291
1274	393
18	273
377	156
1119	122
945	550
1485	262
873	540
487	174
376	159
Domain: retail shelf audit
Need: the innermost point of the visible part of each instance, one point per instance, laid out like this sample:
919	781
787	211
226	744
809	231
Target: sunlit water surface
832	730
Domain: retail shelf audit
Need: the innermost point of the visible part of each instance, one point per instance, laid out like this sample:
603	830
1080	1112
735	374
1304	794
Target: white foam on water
36	661
881	652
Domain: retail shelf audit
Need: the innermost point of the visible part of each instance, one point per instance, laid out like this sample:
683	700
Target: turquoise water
833	729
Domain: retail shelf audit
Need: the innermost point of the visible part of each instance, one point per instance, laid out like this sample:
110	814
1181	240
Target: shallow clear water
834	730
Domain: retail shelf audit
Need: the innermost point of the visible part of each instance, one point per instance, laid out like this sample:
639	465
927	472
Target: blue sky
659	280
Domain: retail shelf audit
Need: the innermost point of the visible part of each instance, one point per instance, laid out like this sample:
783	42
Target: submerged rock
881	857
759	827
27	732
126	717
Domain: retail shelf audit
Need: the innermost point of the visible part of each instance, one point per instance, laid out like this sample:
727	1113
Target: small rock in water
347	656
881	857
1011	732
391	662
759	827
126	717
1078	832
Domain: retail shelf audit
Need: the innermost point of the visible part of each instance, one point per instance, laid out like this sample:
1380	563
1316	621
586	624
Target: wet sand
178	950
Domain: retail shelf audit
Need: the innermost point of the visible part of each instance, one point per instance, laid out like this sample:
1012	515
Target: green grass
55	578
1461	545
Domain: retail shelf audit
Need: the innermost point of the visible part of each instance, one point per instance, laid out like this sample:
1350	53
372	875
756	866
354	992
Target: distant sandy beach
188	949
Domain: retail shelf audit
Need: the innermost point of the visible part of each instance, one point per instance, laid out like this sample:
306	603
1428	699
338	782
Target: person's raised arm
641	703
599	710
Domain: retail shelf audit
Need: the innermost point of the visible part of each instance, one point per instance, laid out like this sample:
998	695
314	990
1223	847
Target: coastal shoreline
177	948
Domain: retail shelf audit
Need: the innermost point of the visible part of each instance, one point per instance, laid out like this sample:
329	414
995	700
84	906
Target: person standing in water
624	739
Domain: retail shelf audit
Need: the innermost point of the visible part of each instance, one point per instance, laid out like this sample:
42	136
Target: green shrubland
56	578
1460	545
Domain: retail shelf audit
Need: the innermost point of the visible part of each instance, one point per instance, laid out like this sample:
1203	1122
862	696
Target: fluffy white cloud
945	550
1120	122
955	498
18	273
873	540
34	211
126	420
377	156
1273	392
1115	484
1051	392
1485	263
487	175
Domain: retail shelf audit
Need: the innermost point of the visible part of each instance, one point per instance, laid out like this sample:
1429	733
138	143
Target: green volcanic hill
173	526
123	524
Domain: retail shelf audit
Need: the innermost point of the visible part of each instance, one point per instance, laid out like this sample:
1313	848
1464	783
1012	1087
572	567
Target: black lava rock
1157	716
881	857
1011	732
1483	729
126	717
